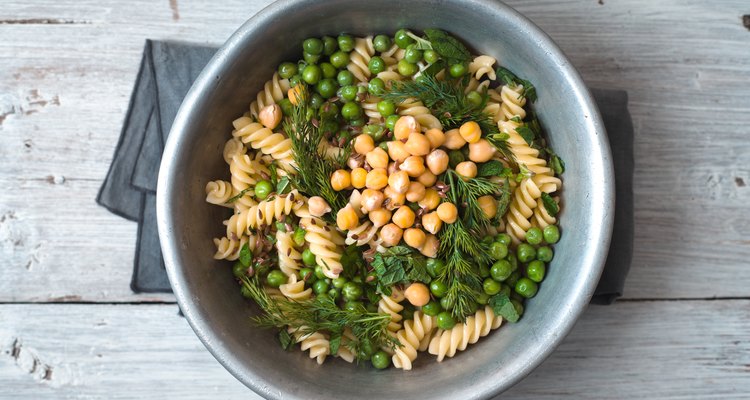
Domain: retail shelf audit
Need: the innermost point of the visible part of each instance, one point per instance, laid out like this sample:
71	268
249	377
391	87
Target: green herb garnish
503	307
490	168
510	79
399	264
450	48
550	205
246	255
239	195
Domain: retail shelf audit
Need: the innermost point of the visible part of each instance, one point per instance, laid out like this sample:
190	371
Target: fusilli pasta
219	192
289	257
390	305
265	213
415	330
294	289
422	114
483	66
360	57
273	91
316	342
261	138
447	342
325	243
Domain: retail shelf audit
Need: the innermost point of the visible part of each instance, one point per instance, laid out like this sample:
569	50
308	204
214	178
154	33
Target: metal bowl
206	290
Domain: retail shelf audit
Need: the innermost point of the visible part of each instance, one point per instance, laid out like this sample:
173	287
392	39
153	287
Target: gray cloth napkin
167	71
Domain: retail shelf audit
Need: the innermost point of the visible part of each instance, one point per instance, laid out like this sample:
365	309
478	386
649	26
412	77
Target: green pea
487	240
375	131
544	254
435	267
512	279
501	270
455	157
311	58
498	251
551	234
390	121
402	39
381	43
457	70
308	258
483	298
346	43
526	287
366	349
406	68
327	88
380	360
239	270
354	306
438	289
319	274
311	74
323	296
339	59
339	282
513	260
320	286
316	100
275	278
345	78
491	286
386	108
484	271
328	70
518	306
525	252
287	70
384	146
445	320
474	98
351	111
376	86
348	93
286	106
329	110
329	45
503	238
352	291
376	65
447	303
432	308
431	56
307	275
422	79
334	294
245	292
413	55
357	122
312	46
534	235
263	189
295	80
536	271
280	226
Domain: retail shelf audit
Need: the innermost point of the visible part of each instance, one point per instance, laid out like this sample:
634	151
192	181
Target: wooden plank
655	350
66	72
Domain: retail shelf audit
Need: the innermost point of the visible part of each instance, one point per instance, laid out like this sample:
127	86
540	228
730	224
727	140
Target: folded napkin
167	71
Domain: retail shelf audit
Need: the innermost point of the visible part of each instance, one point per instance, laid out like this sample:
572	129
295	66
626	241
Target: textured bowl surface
206	290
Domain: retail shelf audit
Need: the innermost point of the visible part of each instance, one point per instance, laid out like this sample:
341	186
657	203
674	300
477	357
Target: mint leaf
490	168
510	79
418	270
505	75
284	185
421	44
526	133
503	307
550	205
516	119
505	195
434	68
285	339
334	342
246	255
450	48
399	264
556	163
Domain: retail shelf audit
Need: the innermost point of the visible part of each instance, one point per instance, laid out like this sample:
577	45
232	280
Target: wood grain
654	350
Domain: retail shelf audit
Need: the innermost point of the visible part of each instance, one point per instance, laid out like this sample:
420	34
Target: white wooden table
71	328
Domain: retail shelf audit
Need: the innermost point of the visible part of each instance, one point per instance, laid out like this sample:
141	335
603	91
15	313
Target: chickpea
380	216
270	116
437	161
395	199
318	206
413	165
347	218
393	167
399	182
454	140
397	151
340	180
405	126
417	294
376	179
481	151
416	192
364	144
418	144
404	217
431	200
488	204
447	212
436	137
470	131
377	158
359	178
431	246
467	169
390	235
427	179
431	222
414	237
372	200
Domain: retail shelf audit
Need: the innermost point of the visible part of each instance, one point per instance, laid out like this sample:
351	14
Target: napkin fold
167	71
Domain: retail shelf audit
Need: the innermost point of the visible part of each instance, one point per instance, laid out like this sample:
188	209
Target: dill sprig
448	102
322	315
313	170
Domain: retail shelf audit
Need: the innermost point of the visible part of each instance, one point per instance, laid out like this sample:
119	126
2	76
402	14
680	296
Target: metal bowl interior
208	294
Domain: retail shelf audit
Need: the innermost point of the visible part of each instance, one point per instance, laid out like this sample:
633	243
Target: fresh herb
523	173
246	255
503	307
510	79
239	195
421	43
450	48
550	204
321	314
271	238
284	185
399	264
286	340
517	119
555	162
526	133
490	168
467	193
334	342
434	68
274	174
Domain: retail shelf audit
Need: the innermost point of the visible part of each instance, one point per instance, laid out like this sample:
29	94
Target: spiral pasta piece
289	257
523	153
542	218
245	201
513	101
521	209
233	147
447	342
246	171
475	85
317	343
370	108
390	305
325	243
219	192
265	213
483	66
410	337
422	114
365	233
229	249
360	57
273	91
294	289
389	75
345	353
261	138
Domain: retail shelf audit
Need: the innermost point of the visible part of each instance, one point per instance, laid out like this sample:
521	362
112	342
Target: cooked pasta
289	256
390	305
446	343
233	147
410	337
246	171
229	249
513	102
422	114
273	92
219	192
325	243
265	213
483	66
294	289
360	57
364	234
261	138
316	342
